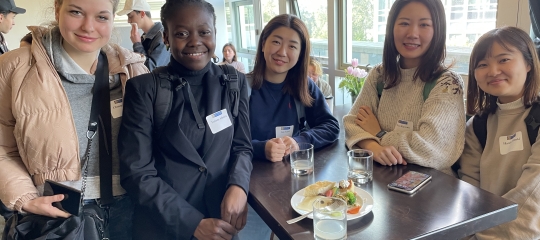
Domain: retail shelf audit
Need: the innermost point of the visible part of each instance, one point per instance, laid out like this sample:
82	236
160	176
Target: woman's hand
367	120
289	142
43	206
275	149
385	155
234	207
213	228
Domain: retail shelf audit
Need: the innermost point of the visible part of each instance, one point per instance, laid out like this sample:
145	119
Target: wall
37	12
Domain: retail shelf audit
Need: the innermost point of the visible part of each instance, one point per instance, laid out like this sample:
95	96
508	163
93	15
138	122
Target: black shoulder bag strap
480	128
105	144
533	122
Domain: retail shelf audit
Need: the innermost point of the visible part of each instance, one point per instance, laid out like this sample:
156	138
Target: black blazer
172	186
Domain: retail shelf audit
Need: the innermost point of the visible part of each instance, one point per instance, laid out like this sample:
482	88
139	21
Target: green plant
354	78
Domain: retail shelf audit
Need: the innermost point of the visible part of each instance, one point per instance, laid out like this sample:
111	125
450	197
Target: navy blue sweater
270	107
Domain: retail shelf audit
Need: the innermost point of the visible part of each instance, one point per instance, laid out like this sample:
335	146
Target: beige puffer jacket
38	140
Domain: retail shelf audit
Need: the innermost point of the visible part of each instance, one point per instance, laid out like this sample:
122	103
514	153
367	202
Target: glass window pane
270	9
246	21
314	14
466	21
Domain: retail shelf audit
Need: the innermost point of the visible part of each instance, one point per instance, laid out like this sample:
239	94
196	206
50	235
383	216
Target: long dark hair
234	59
296	81
432	62
478	101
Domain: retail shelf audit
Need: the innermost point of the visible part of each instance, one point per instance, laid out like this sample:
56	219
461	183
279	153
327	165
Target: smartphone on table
72	196
410	182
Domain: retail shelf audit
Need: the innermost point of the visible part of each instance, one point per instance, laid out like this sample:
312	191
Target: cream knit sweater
514	175
437	137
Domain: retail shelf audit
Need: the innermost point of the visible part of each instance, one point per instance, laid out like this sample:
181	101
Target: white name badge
117	106
284	131
403	125
511	143
218	121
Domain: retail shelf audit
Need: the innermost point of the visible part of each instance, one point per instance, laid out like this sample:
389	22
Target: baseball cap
131	5
9	5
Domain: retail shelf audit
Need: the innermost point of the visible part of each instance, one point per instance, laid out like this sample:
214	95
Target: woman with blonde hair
46	96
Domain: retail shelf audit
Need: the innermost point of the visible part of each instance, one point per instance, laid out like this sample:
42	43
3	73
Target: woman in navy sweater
280	85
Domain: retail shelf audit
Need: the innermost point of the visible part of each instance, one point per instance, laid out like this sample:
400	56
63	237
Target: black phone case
72	196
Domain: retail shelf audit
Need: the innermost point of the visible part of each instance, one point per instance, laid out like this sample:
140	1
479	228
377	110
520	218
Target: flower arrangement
354	79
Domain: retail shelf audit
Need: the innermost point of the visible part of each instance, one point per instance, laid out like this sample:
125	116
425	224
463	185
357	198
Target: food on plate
343	189
318	188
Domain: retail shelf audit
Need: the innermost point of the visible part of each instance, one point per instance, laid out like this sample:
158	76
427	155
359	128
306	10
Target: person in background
280	78
8	11
314	72
504	82
229	57
45	103
26	41
397	123
151	42
191	180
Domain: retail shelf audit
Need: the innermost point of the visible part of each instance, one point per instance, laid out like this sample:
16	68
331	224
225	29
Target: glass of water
302	159
330	218
360	166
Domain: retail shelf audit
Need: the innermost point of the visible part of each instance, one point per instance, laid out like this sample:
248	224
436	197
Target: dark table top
445	208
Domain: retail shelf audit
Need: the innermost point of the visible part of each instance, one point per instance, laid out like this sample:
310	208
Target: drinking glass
302	159
360	166
330	218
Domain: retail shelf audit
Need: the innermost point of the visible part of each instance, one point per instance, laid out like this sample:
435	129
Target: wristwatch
380	134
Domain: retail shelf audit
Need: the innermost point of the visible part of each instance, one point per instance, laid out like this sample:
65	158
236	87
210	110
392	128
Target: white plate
367	204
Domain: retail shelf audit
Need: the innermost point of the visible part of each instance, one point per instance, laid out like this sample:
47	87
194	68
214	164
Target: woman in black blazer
191	179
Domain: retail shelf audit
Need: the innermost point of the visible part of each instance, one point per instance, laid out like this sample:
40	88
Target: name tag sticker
403	125
511	143
218	121
117	106
284	131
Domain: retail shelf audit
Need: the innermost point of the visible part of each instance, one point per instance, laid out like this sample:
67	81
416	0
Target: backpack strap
533	122
380	88
428	87
480	128
163	98
230	78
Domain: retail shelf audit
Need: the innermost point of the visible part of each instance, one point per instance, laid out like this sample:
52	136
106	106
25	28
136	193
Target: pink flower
361	73
354	62
350	70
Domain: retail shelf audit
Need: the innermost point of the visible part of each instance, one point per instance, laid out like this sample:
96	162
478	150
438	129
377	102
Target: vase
353	98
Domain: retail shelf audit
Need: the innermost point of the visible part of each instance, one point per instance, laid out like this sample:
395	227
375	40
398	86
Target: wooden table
446	208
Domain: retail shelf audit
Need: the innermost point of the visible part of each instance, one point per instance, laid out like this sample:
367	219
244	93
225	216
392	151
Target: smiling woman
192	178
55	88
395	115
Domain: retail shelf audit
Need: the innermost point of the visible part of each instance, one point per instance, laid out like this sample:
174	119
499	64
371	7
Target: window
314	14
466	21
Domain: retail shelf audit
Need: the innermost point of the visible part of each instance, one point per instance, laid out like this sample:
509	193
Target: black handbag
91	223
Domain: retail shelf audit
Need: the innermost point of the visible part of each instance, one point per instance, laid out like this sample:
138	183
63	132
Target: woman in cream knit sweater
400	126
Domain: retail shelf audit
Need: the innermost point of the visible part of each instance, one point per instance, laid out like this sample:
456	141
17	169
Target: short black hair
5	13
171	6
